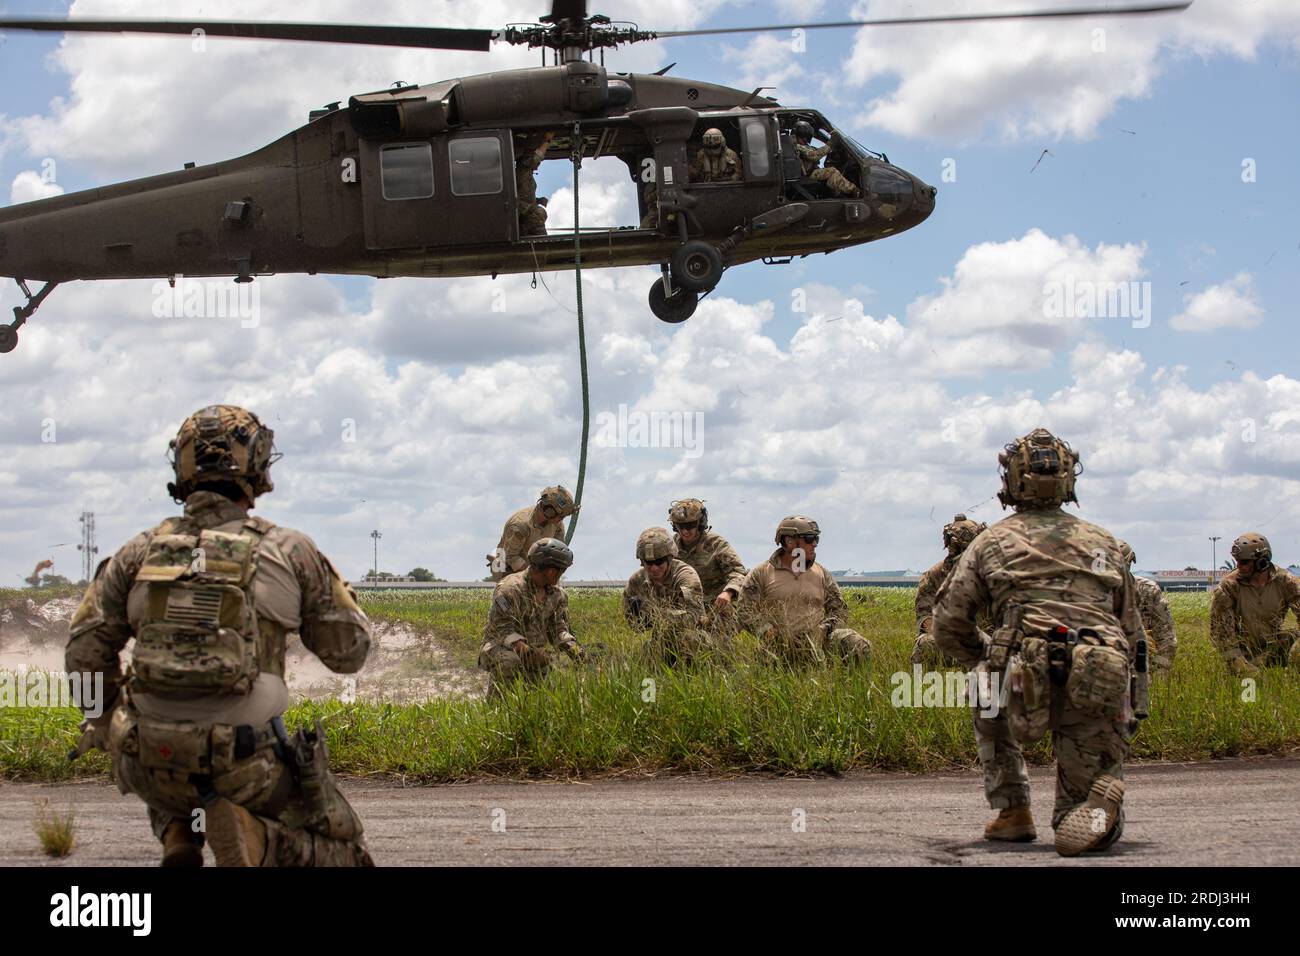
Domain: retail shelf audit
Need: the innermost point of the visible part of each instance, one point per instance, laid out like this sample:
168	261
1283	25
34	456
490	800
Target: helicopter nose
925	194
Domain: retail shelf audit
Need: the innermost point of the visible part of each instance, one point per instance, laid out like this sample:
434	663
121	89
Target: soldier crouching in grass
665	598
793	605
210	597
528	618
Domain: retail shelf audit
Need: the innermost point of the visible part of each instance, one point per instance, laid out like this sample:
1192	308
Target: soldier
528	526
665	598
1157	619
793	605
716	162
532	210
1068	628
721	571
1249	608
529	615
195	728
959	533
810	158
1006	780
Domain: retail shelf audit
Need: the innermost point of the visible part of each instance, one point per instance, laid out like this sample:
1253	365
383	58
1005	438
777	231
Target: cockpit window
888	183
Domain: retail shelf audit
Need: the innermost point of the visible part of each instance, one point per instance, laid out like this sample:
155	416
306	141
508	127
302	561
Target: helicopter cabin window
406	170
475	166
753	132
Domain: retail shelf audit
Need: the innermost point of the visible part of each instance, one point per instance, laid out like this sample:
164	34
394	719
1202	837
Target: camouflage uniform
532	213
1157	621
707	167
518	535
810	158
524	610
178	752
799	618
1246	621
1059	570
672	612
720	569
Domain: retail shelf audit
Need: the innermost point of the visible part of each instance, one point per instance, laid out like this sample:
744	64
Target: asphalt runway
1231	812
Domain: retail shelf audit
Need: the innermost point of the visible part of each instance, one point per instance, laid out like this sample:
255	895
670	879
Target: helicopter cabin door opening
448	190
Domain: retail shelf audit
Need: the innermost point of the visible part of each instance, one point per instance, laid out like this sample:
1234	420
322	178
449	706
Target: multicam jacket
1245	620
521	609
716	562
679	600
1058	568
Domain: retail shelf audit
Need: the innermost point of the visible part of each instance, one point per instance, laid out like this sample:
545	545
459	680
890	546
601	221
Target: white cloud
1228	305
29	185
1044	79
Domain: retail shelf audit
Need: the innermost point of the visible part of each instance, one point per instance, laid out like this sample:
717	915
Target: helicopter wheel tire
8	338
696	266
675	308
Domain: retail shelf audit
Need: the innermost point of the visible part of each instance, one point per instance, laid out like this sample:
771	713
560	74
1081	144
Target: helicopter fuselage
421	181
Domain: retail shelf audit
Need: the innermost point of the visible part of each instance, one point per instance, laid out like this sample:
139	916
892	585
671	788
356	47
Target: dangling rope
582	331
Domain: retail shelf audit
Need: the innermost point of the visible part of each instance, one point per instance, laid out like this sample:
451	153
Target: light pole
1214	557
376	535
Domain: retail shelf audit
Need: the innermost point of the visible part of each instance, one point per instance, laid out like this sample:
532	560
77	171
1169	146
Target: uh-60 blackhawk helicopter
421	180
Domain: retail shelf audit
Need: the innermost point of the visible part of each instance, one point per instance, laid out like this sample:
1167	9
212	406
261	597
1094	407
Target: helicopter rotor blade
436	38
1096	11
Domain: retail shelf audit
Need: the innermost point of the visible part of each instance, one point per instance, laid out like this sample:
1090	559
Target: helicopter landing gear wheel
8	338
674	308
696	266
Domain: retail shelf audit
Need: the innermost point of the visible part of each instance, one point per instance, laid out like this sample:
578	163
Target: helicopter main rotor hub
572	37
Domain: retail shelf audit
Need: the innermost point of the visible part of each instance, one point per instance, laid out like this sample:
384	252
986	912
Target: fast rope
582	332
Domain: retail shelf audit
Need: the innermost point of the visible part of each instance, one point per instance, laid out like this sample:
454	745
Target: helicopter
422	180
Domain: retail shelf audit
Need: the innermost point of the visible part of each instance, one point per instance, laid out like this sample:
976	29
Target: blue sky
1147	142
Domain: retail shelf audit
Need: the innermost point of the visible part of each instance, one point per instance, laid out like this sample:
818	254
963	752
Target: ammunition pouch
182	747
1029	704
1098	681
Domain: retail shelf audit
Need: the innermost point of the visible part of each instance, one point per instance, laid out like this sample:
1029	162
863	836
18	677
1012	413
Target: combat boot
237	837
181	846
1013	824
1094	822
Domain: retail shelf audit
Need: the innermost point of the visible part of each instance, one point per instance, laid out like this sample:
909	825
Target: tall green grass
741	717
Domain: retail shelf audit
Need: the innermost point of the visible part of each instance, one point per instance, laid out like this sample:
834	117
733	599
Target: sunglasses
807	538
657	561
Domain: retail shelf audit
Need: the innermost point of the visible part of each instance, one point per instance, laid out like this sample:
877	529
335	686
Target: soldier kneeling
665	597
793	605
529	616
210	597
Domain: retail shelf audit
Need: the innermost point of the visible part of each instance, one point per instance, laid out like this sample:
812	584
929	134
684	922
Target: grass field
746	717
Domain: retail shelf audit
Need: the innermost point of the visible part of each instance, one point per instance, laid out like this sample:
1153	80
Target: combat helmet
655	543
687	512
557	497
803	131
960	532
1252	546
714	141
550	553
797	526
222	444
1038	471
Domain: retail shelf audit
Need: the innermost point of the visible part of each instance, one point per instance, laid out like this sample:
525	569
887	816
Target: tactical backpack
198	631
